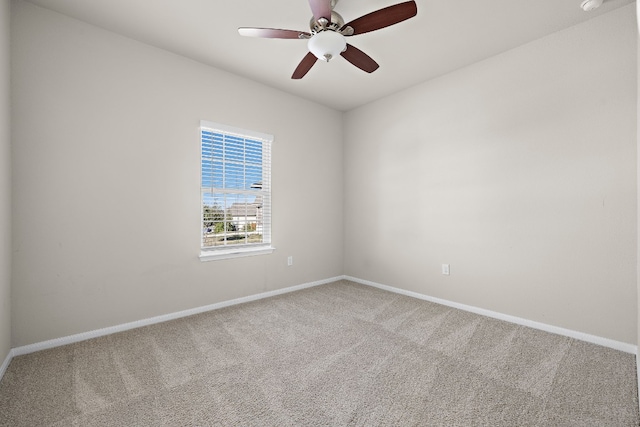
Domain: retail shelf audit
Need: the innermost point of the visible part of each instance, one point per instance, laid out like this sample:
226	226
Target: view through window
235	188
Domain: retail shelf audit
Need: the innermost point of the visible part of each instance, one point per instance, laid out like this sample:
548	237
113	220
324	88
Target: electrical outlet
289	261
445	269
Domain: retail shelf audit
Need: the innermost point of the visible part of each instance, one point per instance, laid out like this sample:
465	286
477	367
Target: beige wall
519	171
106	179
5	186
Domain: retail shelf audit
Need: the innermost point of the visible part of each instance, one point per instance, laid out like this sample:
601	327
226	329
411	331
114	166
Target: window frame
242	250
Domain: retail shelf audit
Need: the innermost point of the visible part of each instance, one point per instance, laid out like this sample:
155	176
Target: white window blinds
235	188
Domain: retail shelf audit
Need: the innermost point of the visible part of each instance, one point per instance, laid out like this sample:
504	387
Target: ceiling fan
326	38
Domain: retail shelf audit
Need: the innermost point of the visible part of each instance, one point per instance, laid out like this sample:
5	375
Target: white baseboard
5	364
31	348
57	342
617	345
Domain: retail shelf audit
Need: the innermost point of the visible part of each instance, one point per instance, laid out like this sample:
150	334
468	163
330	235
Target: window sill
235	253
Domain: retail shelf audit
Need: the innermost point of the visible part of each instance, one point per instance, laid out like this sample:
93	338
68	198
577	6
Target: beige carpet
335	355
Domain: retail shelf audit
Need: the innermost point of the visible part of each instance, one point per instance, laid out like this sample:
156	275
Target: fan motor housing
322	24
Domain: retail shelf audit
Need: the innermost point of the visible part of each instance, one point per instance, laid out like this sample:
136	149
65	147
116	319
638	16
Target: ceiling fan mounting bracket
323	24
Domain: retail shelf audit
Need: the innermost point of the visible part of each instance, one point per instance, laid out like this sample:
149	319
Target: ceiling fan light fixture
327	44
326	38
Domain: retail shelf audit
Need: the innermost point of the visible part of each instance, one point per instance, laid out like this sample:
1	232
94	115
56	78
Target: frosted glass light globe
327	44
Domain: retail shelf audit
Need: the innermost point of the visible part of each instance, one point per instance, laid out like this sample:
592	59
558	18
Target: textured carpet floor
341	354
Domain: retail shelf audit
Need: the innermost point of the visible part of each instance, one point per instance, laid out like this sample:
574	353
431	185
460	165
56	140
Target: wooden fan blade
383	18
360	59
304	66
321	9
272	33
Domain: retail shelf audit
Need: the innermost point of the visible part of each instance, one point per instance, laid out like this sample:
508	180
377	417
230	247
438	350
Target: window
235	192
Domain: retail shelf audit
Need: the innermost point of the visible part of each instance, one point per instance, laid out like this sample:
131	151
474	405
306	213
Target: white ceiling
444	36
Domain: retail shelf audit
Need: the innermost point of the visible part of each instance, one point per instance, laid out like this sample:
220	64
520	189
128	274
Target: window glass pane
235	203
231	219
254	177
254	152
215	222
234	150
217	174
234	176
